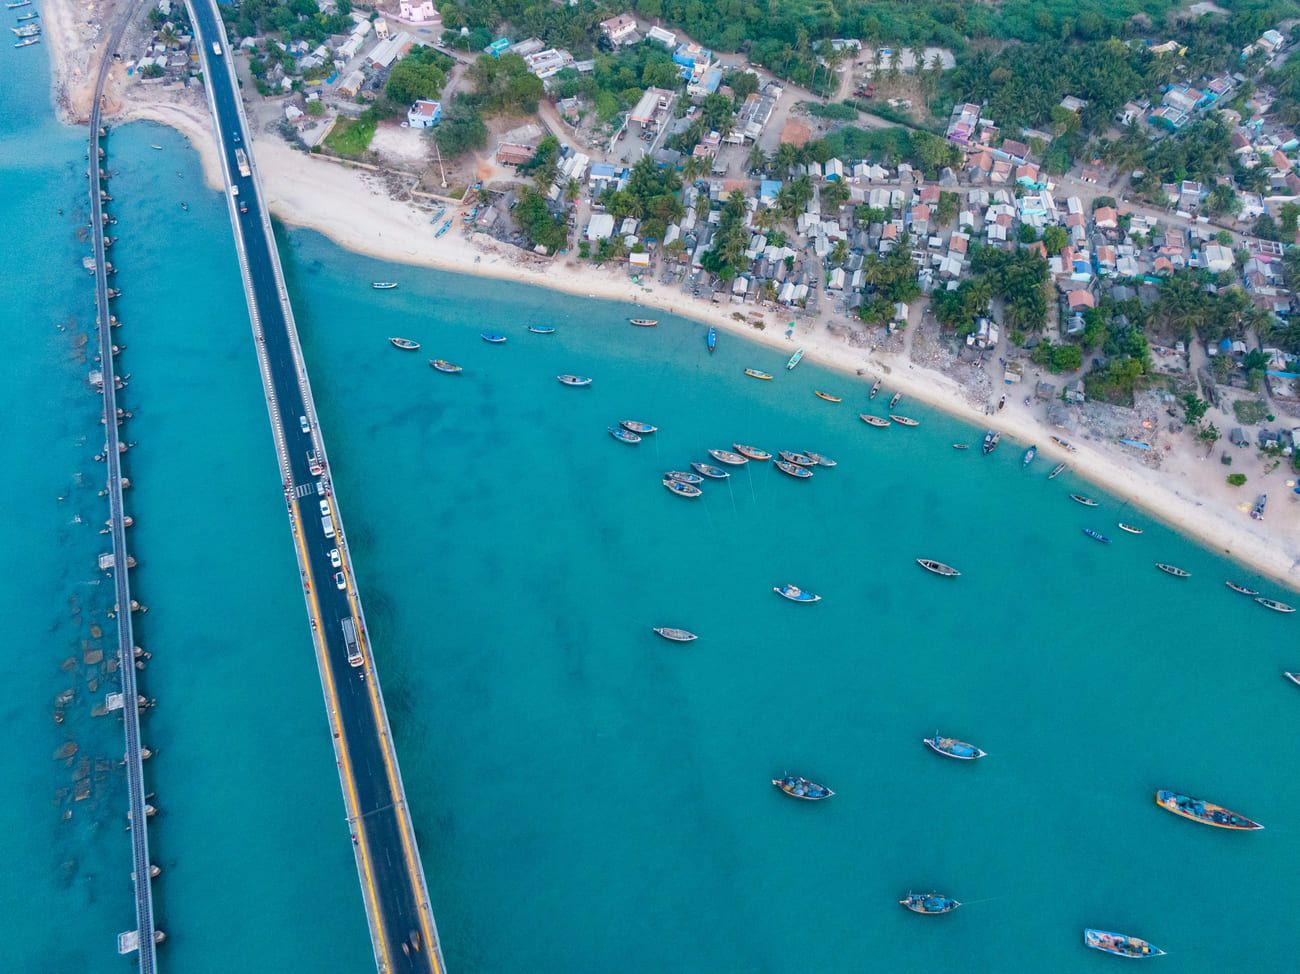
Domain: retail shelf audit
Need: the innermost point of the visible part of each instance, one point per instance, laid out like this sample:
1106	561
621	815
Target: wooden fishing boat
904	420
492	338
873	420
442	365
682	489
684	477
753	452
991	439
1293	677
929	903
712	339
1120	944
827	396
636	426
894	399
1241	588
755	374
541	329
28	42
1275	605
795	359
1028	458
1096	535
821	461
1056	471
405	344
383	285
952	748
1173	570
622	435
1257	512
644	322
1207	813
961	446
729	458
676	635
709	470
795	594
1081	499
938	567
1065	443
574	380
1131	529
793	469
875	388
32	16
802	459
797	787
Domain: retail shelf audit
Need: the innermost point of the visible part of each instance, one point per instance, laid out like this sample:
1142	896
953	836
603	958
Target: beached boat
1207	813
821	461
755	374
953	748
1257	512
676	635
802	459
873	420
1120	944
446	225
793	469
1241	588
797	787
1028	458
795	594
712	340
1081	499
622	435
28	42
1173	570
1130	528
938	567
1065	443
875	388
893	401
1056	471
684	476
383	285
492	338
644	322
1293	677
681	488
709	470
904	420
574	380
795	359
442	365
753	452
636	426
931	903
729	458
1096	535
1275	605
827	396
961	446
541	329
991	439
405	344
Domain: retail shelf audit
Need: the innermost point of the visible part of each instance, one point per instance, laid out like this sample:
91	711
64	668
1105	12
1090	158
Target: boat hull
929	904
752	452
1119	944
938	567
793	470
755	374
952	748
795	594
729	458
442	366
574	380
1205	813
676	635
802	788
873	420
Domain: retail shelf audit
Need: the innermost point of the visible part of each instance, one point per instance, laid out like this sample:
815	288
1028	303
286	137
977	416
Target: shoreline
339	203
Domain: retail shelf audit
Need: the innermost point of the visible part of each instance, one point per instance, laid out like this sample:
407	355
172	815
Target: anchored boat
1207	813
1173	570
795	359
684	477
644	322
795	594
1081	499
1119	943
541	329
820	460
729	458
1056	471
635	426
622	435
492	338
755	374
827	396
991	439
801	459
383	285
681	488
1028	458
797	787
1275	605
405	344
442	365
895	399
961	446
753	452
953	748
1096	535
1131	529
875	387
904	420
712	340
574	380
873	420
709	470
676	635
931	903
1241	588
938	567
793	470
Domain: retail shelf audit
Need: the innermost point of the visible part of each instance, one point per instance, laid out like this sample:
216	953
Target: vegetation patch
351	138
1249	412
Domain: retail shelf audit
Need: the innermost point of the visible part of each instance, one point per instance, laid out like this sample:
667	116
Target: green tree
461	128
1055	239
1236	479
1194	408
419	75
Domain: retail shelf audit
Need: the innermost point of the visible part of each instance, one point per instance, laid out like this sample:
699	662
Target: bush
1236	479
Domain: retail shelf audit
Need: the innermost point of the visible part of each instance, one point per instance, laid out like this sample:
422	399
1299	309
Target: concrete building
424	114
619	30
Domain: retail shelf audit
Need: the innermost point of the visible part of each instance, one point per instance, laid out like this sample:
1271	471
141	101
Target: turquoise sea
588	797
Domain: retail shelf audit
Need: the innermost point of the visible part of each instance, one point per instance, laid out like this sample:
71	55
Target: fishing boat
801	459
446	225
1241	588
709	470
793	469
755	374
1130	528
1056	471
827	396
676	635
644	322
1096	535
991	439
1293	677
1065	443
492	338
1275	605
684	476
541	329
821	461
894	400
681	488
28	42
1081	499
795	359
797	787
1028	458
753	452
875	387
31	30
795	594
383	285
953	748
1207	813
873	420
442	365
961	446
158	147
938	567
712	340
19	3
729	458
622	435
1173	570
931	903
1120	944
31	15
635	426
405	344
904	420
574	380
1257	512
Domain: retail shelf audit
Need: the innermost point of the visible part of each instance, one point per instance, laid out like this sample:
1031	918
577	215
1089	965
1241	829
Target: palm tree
786	156
691	169
757	158
572	190
168	35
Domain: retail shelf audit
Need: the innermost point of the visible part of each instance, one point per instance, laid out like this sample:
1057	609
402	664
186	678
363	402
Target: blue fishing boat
622	435
931	903
713	338
709	470
684	477
446	225
681	488
636	426
801	459
795	359
1120	944
795	594
541	329
1207	813
1028	458
953	748
574	380
793	470
797	787
442	365
1096	535
492	338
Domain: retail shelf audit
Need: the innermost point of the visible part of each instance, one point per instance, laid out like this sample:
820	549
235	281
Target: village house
424	114
620	30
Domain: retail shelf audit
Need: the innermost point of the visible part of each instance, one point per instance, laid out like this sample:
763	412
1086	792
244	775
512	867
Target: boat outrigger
1293	677
1207	813
873	420
442	365
383	285
574	380
795	594
405	344
795	359
753	452
827	396
953	748
797	787
938	567
729	458
676	635
622	435
644	322
793	470
930	903
1275	605
1120	944
1173	570
755	374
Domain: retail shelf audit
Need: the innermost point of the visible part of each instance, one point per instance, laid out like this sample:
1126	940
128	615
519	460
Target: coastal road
401	922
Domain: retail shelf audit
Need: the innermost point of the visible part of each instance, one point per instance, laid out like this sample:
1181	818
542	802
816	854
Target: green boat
794	359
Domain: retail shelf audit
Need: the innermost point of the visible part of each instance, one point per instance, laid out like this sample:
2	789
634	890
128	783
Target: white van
216	49
327	523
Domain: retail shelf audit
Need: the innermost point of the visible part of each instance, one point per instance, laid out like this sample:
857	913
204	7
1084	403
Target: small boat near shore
991	440
636	426
1173	570
1131	529
28	42
1257	512
904	420
1241	588
712	339
1028	458
32	15
622	435
929	903
797	787
795	594
1065	443
755	374
875	388
873	420
827	396
681	488
1081	499
1096	535
574	380
675	635
961	446
952	748
894	399
793	470
442	365
492	338
684	477
383	285
938	567
820	460
729	458
405	344
541	329
709	470
1120	944
801	459
1275	605
795	359
644	322
752	452
1293	677
1207	813
17	4
1056	471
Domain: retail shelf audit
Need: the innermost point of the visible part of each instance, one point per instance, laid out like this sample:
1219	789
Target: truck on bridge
241	160
350	641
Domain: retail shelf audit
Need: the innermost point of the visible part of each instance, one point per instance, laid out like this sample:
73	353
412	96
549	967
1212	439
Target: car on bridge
335	558
340	581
